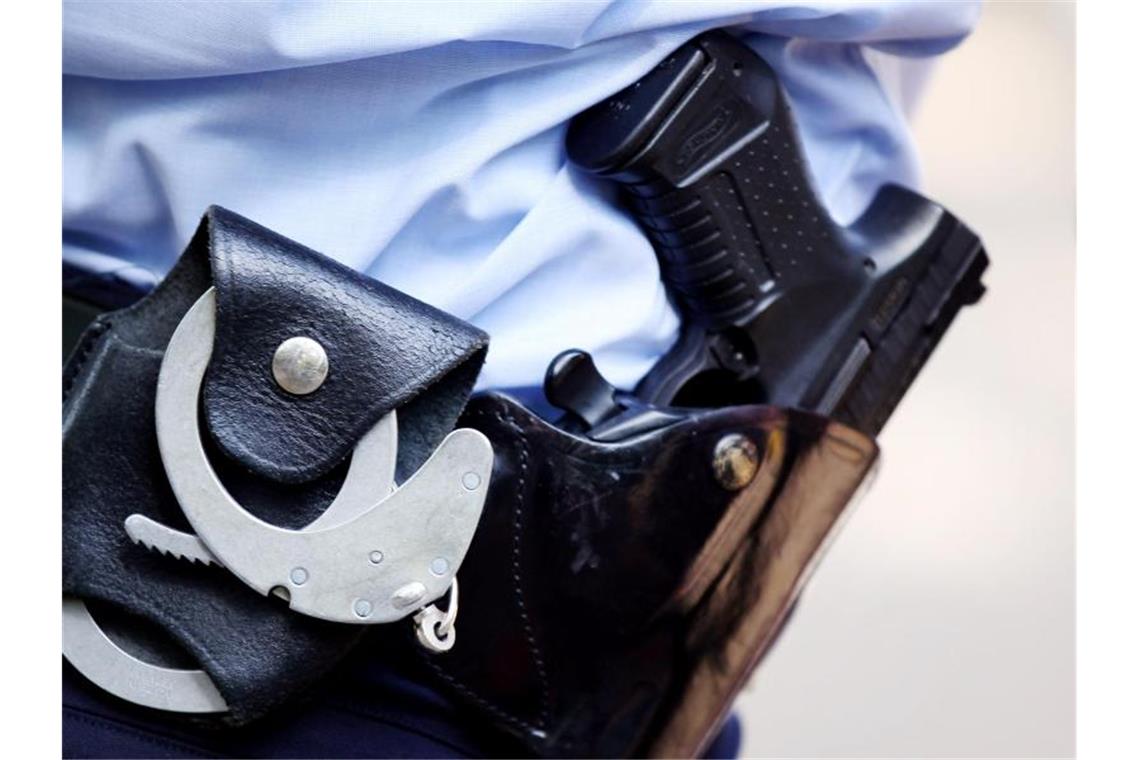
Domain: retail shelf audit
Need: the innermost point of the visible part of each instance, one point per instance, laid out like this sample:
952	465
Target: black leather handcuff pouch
281	455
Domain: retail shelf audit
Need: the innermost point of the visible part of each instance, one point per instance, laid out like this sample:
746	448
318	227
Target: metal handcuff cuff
333	569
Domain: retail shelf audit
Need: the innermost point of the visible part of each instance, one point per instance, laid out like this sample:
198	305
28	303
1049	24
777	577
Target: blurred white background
941	622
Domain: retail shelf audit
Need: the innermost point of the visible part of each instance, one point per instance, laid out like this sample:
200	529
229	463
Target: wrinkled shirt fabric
422	142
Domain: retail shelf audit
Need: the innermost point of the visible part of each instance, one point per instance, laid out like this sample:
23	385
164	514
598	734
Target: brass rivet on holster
735	461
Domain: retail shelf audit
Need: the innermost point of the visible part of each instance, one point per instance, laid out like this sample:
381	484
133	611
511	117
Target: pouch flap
384	349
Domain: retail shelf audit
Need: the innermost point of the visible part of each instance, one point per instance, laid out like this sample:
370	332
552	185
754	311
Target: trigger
574	384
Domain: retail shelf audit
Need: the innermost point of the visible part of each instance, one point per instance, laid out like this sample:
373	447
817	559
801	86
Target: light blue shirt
422	142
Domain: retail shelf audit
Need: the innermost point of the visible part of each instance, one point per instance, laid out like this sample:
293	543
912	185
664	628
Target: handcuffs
364	560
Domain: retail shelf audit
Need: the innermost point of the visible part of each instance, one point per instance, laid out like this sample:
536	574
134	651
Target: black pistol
779	304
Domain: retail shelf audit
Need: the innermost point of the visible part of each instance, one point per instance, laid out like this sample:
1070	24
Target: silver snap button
300	365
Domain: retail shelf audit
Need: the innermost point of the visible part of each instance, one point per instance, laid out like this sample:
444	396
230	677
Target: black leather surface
568	634
256	651
271	289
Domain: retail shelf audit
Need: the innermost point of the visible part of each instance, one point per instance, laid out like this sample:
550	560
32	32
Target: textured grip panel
750	224
713	278
718	182
779	304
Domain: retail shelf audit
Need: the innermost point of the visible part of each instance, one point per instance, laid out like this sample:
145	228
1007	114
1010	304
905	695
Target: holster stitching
516	573
82	353
536	654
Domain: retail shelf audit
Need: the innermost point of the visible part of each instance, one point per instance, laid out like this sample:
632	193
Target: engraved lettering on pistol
722	119
890	304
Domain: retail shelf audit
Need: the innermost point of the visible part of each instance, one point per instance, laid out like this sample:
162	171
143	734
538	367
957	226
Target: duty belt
271	460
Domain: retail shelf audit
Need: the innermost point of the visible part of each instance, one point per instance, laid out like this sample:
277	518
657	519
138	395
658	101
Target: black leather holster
618	594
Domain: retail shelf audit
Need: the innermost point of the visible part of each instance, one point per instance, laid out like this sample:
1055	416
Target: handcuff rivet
376	557
298	575
471	480
439	566
300	365
362	608
409	594
735	461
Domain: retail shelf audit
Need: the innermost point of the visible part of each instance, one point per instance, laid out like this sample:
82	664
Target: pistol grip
780	304
713	171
